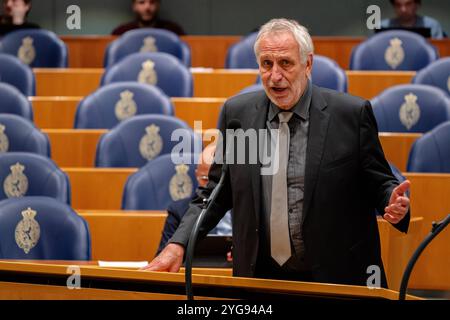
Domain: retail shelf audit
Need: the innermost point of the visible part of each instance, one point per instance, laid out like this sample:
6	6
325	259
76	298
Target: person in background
14	16
177	209
146	12
407	17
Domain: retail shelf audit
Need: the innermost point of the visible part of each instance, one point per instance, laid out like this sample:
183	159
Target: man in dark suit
313	218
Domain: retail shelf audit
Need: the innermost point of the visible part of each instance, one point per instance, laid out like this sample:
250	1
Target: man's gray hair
299	32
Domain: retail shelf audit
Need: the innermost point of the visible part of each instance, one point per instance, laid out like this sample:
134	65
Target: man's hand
398	203
170	259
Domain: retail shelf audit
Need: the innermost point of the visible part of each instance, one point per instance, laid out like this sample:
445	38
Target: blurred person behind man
14	16
147	16
407	17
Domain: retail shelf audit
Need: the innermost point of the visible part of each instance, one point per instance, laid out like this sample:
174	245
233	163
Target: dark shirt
6	27
298	126
159	24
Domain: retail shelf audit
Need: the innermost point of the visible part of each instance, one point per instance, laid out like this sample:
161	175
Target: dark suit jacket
346	178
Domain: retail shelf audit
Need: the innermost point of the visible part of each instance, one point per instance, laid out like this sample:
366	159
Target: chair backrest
37	48
156	68
17	74
42	228
19	134
147	40
328	74
393	50
135	141
241	54
118	101
159	183
411	108
431	152
12	101
436	74
29	174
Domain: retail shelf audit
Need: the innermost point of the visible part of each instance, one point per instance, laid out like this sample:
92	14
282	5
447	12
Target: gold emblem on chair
410	111
180	186
4	141
16	183
149	45
148	73
27	53
394	54
151	143
126	107
27	232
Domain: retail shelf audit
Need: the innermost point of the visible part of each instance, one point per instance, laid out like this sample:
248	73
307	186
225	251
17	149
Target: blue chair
431	152
241	54
30	174
159	183
42	228
37	48
118	101
14	102
393	50
147	40
17	74
436	74
252	88
155	68
20	135
328	74
135	141
410	108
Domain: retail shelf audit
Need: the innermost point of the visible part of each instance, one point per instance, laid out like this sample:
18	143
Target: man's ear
309	63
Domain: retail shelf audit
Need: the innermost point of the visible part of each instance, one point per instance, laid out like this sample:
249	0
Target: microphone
437	227
234	124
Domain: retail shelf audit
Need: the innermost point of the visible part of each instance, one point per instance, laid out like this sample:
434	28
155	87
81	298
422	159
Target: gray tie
280	244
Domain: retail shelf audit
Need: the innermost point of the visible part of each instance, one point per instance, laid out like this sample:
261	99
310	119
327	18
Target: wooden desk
77	147
396	147
97	188
216	83
40	280
59	112
430	200
118	235
210	51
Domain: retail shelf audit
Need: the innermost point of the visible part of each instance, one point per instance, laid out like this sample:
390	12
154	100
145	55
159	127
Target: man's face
11	6
405	9
146	10
283	75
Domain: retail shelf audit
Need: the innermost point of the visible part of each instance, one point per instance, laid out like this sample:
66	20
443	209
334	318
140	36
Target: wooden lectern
42	280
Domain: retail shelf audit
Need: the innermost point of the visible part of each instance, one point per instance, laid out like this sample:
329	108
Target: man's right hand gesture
170	259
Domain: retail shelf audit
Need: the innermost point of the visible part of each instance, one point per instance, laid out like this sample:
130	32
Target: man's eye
266	63
285	63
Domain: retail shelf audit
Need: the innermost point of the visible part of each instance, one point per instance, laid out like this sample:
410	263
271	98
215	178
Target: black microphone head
234	124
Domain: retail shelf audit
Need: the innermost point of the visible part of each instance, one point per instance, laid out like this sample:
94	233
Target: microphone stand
435	230
195	231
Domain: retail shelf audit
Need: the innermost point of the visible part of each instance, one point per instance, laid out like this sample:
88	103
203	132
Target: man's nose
276	75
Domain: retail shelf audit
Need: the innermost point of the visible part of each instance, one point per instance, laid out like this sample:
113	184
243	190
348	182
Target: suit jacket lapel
259	122
318	127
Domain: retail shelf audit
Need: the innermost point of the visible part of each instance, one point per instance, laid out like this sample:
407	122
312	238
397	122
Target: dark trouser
267	268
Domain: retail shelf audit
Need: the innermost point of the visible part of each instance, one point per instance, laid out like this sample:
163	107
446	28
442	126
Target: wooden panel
397	248
211	51
368	84
396	147
54	112
66	82
97	188
216	83
73	148
124	235
43	269
87	51
59	112
430	200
